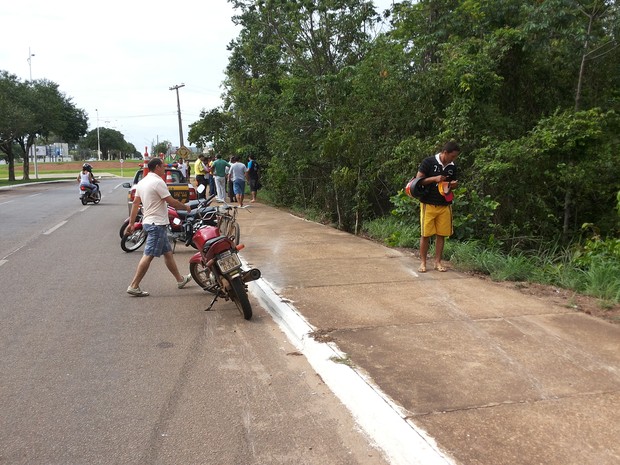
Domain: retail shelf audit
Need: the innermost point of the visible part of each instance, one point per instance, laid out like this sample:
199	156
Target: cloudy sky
117	59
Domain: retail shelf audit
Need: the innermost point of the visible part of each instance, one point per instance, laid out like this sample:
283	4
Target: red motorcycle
178	230
217	269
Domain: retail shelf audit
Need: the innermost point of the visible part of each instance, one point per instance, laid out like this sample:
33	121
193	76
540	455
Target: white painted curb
378	416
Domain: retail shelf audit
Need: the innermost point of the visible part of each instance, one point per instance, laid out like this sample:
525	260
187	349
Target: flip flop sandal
441	268
422	269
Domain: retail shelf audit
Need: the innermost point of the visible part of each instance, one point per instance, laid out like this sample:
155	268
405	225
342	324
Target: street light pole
30	55
98	140
33	149
179	112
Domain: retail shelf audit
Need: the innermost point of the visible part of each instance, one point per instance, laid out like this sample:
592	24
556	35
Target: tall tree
110	140
14	116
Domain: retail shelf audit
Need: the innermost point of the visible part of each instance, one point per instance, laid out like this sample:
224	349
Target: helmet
415	189
87	167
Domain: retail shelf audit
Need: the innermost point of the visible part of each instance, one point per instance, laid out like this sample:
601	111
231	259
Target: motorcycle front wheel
239	296
133	241
123	227
121	232
97	197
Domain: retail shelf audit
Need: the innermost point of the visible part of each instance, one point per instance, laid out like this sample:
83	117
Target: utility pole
177	87
98	140
33	148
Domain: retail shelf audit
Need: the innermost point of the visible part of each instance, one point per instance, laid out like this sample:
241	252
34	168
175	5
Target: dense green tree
31	110
214	127
13	116
342	116
52	113
112	142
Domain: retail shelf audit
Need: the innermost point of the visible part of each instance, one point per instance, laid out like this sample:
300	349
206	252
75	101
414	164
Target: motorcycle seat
212	241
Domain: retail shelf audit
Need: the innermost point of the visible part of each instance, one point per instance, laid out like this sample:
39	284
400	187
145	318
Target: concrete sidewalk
493	376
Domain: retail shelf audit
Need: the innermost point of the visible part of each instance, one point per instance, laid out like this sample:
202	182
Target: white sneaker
186	279
136	291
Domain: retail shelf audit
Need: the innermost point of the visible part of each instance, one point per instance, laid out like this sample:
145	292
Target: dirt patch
76	166
322	335
567	298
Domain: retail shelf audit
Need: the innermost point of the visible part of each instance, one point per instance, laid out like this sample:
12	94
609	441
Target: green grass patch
393	232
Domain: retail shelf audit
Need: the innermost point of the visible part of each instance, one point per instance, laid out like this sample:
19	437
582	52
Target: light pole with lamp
33	149
98	140
30	55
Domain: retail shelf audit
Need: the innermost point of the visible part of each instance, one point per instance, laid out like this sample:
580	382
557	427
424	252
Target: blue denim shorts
157	242
238	186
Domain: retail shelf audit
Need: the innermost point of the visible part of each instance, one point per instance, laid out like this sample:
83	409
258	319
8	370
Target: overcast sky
122	57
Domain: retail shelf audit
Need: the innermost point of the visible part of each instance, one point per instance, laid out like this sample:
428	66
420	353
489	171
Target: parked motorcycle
201	214
217	268
87	194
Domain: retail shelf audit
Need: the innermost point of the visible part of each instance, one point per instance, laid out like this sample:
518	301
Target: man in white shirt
153	193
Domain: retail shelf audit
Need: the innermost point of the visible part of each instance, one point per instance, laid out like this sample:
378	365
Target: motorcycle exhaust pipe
251	275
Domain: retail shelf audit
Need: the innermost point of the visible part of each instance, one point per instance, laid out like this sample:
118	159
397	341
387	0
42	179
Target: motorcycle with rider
89	188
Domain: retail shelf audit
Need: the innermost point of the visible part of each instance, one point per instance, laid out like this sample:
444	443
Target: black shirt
431	166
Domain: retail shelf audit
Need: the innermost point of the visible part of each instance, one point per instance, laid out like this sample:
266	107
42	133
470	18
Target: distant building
58	151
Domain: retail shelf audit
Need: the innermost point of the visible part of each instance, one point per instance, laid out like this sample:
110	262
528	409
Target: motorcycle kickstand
210	307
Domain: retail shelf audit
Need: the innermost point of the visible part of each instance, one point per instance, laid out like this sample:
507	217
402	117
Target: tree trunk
582	67
10	158
567	202
26	168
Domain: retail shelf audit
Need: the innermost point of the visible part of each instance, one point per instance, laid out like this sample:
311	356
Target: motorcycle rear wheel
200	274
239	296
83	199
133	241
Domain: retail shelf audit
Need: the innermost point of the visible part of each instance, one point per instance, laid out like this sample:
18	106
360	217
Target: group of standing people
437	174
213	174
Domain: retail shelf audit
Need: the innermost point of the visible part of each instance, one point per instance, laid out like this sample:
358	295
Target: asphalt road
91	375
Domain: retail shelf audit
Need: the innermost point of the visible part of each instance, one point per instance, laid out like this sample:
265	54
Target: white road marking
50	231
2	262
8	201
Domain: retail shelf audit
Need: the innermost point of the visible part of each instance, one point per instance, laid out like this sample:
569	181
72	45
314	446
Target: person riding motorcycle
87	179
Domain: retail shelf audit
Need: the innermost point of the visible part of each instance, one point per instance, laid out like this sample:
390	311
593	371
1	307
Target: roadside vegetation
590	266
340	103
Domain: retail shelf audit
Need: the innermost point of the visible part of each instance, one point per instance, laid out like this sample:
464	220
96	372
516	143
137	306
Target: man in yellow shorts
439	173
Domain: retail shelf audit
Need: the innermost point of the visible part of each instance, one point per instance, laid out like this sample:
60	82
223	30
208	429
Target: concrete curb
72	179
379	417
